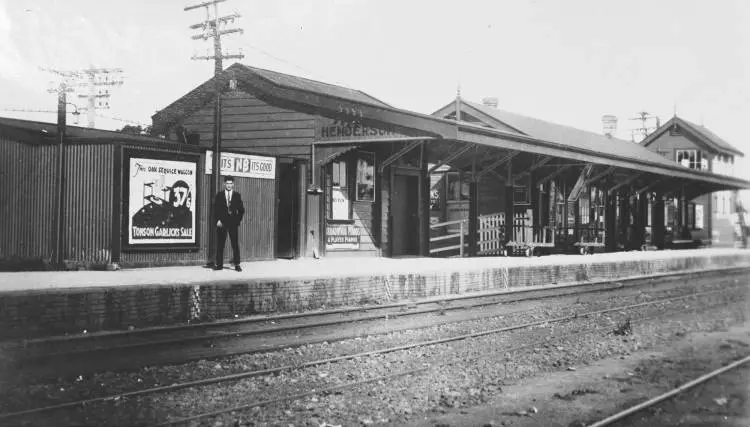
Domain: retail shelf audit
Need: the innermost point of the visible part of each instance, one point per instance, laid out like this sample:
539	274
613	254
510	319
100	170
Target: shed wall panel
27	191
251	124
88	224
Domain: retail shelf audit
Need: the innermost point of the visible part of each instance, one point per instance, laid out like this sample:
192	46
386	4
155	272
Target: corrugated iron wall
87	231
256	233
27	195
27	210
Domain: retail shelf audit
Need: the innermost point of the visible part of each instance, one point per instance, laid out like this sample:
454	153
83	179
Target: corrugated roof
570	136
50	130
301	83
712	138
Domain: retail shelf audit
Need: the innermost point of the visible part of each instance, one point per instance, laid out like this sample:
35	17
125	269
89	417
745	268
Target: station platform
34	304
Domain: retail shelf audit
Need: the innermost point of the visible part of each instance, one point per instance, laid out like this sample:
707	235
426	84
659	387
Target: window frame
357	158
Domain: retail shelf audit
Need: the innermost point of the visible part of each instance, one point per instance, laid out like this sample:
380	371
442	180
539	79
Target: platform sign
160	195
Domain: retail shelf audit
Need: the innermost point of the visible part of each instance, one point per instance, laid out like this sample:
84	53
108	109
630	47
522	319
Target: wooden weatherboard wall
253	125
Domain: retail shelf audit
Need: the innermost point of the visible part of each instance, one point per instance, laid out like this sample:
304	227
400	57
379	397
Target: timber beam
497	163
600	175
628	181
649	186
451	157
554	174
536	165
400	153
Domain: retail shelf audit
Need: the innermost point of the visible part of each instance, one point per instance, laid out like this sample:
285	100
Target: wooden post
509	204
473	216
610	221
461	239
657	221
642	217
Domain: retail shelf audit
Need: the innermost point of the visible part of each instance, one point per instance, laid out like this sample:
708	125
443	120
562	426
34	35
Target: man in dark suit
228	210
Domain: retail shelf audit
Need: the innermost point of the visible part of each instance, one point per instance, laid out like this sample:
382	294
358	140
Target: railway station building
330	171
712	217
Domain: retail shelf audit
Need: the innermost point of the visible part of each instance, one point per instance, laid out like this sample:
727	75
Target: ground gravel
460	374
114	383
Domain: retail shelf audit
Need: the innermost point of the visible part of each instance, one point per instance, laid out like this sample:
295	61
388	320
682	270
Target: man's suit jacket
228	215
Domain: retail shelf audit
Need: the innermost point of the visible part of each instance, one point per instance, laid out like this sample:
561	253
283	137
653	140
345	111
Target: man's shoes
218	267
237	267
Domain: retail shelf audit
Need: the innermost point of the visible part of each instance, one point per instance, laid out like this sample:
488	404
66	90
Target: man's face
229	185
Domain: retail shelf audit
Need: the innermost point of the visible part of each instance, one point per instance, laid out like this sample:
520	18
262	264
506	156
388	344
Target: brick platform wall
53	312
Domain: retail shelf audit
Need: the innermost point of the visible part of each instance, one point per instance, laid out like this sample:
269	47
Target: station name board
328	129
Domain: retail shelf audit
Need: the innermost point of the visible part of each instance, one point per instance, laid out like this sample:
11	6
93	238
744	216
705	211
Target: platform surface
307	269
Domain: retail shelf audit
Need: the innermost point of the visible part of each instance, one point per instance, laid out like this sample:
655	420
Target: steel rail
88	368
584	287
396	375
651	402
244	375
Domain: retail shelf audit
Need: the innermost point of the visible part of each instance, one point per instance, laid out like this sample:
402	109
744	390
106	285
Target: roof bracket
538	164
400	153
649	186
554	174
451	157
497	163
600	175
624	183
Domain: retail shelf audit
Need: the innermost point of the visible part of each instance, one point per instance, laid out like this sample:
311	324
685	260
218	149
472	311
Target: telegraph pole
645	129
210	27
98	81
57	234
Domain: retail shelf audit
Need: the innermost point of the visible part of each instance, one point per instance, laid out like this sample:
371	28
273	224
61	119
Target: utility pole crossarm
204	4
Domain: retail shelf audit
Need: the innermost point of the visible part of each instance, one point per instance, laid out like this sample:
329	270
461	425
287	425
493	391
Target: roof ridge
251	67
483	108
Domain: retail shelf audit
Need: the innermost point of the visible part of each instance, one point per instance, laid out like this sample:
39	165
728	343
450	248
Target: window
365	177
338	196
698	217
691	159
584	207
457	189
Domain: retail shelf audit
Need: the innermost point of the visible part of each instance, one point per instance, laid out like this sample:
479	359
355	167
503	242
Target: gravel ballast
460	374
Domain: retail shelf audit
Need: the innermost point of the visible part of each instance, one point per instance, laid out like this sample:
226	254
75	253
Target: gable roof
47	130
301	83
204	93
701	133
561	134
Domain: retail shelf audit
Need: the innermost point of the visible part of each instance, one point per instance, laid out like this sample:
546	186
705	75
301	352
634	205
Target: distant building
712	217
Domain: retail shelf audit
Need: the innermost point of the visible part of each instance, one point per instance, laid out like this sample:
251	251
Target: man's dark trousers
221	237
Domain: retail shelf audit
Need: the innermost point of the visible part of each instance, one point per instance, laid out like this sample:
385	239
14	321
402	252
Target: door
405	226
287	211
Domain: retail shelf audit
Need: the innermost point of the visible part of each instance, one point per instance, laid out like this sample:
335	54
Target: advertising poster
161	202
243	165
344	237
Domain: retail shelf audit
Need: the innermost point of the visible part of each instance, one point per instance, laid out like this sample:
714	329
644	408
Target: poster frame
195	158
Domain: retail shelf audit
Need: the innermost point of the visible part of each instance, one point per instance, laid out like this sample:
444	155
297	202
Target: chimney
609	125
490	102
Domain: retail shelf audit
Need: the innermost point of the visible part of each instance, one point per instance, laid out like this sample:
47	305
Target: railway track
127	350
668	395
654	304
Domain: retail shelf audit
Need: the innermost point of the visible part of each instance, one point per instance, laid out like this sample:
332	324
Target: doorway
405	224
287	210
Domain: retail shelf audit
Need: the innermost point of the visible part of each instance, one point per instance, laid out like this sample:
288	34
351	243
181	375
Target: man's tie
229	197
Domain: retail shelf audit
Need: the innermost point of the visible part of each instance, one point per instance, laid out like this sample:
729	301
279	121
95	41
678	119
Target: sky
568	62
